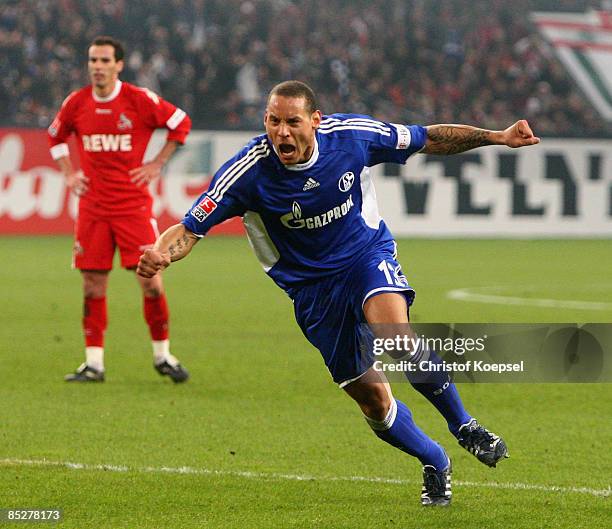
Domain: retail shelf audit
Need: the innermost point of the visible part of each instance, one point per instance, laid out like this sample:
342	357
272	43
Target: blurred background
419	61
481	62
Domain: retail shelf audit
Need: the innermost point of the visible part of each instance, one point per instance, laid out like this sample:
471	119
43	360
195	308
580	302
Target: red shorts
96	239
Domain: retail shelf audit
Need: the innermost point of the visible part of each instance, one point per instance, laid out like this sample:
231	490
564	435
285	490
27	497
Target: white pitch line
297	477
467	294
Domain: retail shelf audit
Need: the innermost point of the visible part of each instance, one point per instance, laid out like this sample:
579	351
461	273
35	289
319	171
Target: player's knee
94	285
376	405
375	413
93	290
152	291
383	419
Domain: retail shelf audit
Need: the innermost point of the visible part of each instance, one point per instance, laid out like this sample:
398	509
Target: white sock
94	357
161	352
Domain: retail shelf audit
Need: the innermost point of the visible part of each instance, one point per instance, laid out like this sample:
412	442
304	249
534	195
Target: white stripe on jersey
333	122
251	163
265	250
175	119
374	122
353	127
369	205
238	168
260	147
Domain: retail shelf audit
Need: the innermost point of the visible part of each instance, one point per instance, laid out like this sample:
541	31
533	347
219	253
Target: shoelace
476	437
434	484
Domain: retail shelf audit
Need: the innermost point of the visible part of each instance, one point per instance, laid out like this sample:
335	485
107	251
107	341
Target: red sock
156	315
94	321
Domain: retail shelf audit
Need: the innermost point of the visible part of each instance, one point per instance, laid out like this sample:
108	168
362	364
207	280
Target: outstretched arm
453	139
174	244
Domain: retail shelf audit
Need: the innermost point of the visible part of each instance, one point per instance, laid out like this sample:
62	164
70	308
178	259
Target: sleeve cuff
175	135
59	151
186	221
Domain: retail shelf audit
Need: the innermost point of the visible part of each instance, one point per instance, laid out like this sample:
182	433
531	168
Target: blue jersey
310	220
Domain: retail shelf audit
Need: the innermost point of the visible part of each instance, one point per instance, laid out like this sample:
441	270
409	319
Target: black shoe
177	373
85	373
486	446
436	486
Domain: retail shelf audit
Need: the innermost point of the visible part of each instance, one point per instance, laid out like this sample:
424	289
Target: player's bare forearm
65	165
166	152
151	170
76	181
174	244
177	241
454	139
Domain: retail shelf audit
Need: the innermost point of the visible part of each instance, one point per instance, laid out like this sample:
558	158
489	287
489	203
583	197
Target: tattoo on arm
179	247
453	139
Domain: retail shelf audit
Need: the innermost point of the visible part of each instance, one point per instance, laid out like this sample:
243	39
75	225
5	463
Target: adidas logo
311	183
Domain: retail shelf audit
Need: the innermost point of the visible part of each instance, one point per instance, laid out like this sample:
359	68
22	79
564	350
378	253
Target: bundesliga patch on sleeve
403	136
54	127
206	206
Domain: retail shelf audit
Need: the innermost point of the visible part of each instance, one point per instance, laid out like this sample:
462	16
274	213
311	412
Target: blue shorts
330	311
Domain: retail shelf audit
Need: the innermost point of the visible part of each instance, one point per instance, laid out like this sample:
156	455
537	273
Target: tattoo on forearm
179	246
453	139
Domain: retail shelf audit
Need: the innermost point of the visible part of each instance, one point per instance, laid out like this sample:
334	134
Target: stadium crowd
419	61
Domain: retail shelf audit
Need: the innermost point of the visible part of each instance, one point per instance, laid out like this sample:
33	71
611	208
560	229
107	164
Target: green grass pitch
261	437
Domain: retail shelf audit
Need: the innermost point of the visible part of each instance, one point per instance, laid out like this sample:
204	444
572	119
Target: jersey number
392	274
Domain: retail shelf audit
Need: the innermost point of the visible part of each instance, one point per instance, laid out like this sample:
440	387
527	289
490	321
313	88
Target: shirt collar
305	165
110	96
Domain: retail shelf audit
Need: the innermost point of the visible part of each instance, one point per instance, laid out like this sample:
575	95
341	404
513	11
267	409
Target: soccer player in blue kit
308	204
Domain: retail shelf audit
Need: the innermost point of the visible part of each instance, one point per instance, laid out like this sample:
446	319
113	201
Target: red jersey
113	133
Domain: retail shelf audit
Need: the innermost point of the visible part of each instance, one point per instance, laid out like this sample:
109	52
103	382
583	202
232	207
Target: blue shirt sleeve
227	195
402	142
383	142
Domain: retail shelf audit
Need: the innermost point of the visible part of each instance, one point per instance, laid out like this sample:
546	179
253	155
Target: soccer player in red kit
113	122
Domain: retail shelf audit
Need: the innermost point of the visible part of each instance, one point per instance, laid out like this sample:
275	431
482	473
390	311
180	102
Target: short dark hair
104	40
296	89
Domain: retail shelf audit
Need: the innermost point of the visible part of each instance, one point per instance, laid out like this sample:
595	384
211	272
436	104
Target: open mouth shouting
287	151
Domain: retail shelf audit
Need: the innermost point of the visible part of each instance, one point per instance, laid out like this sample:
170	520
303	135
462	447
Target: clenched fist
519	135
151	262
